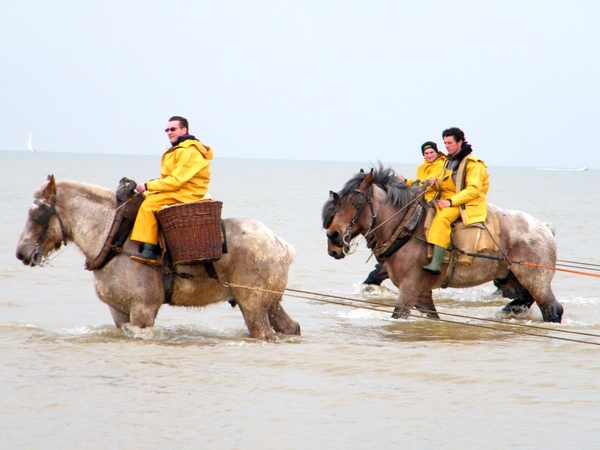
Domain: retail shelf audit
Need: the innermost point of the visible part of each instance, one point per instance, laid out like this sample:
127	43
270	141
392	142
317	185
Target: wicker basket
193	231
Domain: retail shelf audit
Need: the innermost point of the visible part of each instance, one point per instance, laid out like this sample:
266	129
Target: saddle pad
476	238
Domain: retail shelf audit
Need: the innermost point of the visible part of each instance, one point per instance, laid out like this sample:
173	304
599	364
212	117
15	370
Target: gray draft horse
374	204
252	274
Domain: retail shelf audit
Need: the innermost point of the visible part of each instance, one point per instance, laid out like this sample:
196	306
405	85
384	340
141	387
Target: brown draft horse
68	211
374	204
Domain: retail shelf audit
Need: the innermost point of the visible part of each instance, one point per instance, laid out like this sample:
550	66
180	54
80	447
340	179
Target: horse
252	274
374	204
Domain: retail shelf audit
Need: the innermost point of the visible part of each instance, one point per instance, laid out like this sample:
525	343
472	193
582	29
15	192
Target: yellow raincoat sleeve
189	163
475	178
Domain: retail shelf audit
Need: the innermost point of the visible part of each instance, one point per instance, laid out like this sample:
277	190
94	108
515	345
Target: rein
404	231
359	203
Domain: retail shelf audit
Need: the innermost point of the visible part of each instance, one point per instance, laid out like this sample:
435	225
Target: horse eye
41	215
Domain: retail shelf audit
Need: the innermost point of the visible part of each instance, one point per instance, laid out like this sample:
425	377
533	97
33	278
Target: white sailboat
30	143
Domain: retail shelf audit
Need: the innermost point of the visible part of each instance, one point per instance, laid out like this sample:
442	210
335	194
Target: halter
42	216
359	203
404	231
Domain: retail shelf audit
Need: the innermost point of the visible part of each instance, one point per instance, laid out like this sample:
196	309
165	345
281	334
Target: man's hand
444	204
141	188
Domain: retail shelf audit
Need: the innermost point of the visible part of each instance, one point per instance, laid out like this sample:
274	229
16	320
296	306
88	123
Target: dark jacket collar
465	149
183	138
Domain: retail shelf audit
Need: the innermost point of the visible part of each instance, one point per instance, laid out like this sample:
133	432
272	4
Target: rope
540	266
505	327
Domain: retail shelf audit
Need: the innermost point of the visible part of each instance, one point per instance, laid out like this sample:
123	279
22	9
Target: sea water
355	378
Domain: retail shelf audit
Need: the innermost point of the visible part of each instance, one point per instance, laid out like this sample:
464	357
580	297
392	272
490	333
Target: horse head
44	230
345	215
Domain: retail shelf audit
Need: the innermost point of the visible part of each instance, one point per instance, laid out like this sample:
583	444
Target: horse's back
526	235
254	237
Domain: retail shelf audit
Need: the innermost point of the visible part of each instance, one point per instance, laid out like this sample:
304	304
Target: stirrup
142	260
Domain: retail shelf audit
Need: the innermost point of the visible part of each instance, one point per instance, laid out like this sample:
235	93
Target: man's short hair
183	123
455	132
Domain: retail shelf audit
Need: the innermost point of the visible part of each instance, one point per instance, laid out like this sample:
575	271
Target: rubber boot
148	255
436	260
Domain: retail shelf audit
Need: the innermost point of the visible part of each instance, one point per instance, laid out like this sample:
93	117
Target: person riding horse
184	177
431	168
463	187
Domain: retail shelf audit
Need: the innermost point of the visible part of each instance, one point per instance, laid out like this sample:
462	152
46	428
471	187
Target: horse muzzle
29	257
338	244
336	251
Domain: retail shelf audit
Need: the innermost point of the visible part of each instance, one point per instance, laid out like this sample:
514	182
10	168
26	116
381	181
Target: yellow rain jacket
184	177
469	202
429	170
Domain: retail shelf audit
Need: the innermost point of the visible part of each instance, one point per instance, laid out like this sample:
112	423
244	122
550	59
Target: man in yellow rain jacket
463	188
184	177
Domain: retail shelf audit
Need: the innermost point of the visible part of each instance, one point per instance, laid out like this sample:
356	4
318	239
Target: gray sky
318	80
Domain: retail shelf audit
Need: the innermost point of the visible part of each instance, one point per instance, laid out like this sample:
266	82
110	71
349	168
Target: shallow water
354	379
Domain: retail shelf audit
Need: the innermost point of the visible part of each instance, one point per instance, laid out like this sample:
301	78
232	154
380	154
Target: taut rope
504	327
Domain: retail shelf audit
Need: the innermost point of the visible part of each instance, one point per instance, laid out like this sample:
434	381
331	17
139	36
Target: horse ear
50	190
334	196
367	181
361	171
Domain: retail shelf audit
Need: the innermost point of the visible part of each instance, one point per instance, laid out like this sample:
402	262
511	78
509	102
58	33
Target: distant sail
30	144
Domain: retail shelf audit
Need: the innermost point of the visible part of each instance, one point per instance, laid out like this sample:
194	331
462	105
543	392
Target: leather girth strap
403	232
119	232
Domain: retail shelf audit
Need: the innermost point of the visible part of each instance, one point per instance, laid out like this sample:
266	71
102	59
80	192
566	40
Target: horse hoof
554	313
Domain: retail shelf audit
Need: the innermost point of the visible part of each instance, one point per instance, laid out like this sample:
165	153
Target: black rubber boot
148	255
436	260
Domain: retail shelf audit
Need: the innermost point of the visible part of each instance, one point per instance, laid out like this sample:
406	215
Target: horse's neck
388	215
86	217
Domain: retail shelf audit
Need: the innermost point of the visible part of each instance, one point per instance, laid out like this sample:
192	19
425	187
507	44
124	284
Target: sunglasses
171	129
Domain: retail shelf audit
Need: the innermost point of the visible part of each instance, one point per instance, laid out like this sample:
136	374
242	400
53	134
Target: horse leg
406	300
377	276
281	321
257	321
143	314
119	317
512	289
552	310
425	304
538	285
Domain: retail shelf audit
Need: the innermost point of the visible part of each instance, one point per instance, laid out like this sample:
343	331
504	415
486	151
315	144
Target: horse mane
96	194
398	192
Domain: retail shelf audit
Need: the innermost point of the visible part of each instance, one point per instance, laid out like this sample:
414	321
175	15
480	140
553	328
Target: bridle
403	231
42	216
359	202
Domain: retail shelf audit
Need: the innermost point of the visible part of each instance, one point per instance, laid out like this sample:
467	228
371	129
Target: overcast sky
317	80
